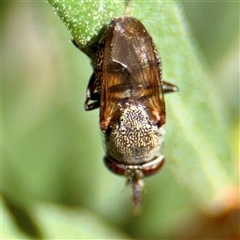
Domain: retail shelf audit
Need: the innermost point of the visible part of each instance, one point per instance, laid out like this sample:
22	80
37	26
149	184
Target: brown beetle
127	85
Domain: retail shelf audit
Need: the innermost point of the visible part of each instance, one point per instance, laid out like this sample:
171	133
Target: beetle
128	88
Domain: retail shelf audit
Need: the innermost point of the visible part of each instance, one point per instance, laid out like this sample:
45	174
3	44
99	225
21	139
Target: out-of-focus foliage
52	148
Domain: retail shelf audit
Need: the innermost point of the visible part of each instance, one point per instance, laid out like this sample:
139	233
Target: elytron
128	87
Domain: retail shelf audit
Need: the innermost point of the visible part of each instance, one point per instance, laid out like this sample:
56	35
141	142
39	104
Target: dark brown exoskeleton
127	85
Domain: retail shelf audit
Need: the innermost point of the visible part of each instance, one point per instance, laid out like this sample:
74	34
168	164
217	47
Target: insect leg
92	95
168	87
75	43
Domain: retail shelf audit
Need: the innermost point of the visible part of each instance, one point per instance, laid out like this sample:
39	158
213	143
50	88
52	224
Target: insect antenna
128	8
134	178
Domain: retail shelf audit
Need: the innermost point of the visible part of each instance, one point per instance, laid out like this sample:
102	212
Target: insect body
127	85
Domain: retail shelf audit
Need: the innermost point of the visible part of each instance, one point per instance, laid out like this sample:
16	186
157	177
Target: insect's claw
169	87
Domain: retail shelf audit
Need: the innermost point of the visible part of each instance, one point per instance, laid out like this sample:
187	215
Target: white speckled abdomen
133	139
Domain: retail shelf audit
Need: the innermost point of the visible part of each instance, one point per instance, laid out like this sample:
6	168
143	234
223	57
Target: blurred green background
54	182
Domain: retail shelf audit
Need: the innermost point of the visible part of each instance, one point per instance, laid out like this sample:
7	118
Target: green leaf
86	19
56	222
197	147
8	225
22	218
59	222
